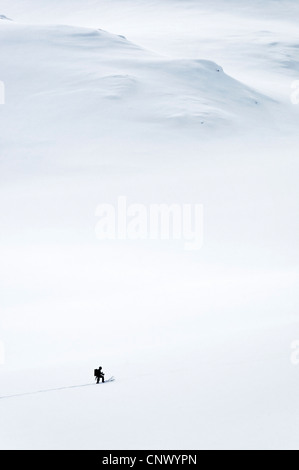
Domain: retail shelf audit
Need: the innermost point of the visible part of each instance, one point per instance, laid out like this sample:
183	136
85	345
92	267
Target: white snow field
161	102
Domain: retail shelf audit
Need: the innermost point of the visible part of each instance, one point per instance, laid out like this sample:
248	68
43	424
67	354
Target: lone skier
99	374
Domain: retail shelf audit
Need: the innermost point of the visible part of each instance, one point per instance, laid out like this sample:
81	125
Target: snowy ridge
3	17
120	76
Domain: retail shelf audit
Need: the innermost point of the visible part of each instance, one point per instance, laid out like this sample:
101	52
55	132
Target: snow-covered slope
97	76
163	102
255	41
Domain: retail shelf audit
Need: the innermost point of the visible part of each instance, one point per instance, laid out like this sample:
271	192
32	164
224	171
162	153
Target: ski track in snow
112	379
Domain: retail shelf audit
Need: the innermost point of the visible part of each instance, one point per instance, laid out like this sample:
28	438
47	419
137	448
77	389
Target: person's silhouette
100	375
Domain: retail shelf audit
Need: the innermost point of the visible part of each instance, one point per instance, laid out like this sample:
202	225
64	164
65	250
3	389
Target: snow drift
99	76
